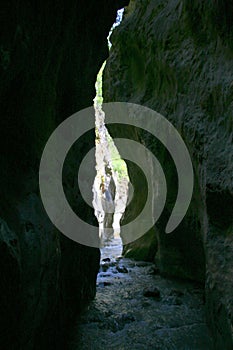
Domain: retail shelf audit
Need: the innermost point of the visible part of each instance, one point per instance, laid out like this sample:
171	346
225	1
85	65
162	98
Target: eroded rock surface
176	58
140	310
50	54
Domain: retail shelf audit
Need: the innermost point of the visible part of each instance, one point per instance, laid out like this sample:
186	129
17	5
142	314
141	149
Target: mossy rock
143	249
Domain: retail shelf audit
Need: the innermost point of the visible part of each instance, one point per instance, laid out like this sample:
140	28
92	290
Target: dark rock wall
177	57
50	53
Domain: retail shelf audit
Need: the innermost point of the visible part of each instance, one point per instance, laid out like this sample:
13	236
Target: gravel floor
135	308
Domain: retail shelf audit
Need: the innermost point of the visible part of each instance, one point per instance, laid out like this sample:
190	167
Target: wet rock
125	319
104	268
94	316
119	258
104	275
106	260
152	293
122	269
145	304
153	270
117	323
108	313
129	320
104	284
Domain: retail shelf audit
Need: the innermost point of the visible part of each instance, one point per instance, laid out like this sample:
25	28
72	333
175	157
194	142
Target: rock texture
140	311
176	57
50	54
143	249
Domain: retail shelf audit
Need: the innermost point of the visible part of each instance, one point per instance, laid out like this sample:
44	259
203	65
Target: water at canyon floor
135	309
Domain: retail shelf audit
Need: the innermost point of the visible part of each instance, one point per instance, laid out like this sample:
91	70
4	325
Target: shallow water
136	308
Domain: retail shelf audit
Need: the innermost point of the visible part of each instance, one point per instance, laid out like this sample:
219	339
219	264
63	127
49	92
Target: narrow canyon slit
150	296
110	188
150	290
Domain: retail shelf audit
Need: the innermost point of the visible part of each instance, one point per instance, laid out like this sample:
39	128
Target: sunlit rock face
176	58
50	54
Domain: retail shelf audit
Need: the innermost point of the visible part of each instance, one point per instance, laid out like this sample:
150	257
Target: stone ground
135	308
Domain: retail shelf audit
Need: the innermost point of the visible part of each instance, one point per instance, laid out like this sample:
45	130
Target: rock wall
50	54
176	57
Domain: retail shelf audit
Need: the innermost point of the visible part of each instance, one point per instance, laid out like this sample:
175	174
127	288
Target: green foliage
118	164
98	101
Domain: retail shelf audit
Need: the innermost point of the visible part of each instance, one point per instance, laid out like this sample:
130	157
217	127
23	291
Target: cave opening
110	188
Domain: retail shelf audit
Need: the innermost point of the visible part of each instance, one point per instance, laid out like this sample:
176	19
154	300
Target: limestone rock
176	58
50	54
